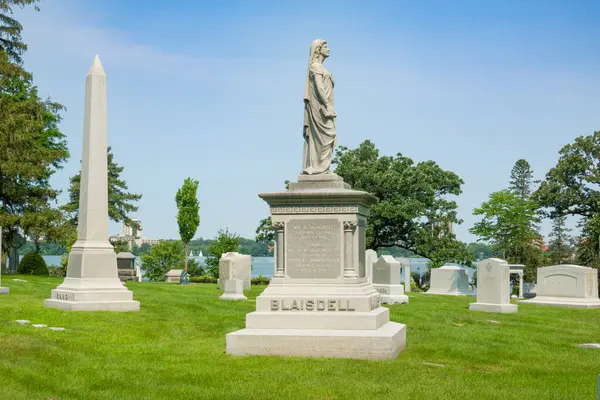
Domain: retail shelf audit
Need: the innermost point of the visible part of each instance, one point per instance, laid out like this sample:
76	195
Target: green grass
174	348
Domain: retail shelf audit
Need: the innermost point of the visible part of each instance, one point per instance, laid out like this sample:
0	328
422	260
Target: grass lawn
174	348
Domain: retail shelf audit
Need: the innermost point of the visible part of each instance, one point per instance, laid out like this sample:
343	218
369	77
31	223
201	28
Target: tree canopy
121	203
415	211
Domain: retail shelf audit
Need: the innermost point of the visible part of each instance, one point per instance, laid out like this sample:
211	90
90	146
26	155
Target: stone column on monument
349	268
279	249
92	281
3	290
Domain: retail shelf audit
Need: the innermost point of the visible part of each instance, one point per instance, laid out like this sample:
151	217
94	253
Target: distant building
132	234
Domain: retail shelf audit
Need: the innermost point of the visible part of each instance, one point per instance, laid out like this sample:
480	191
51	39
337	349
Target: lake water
260	265
264	265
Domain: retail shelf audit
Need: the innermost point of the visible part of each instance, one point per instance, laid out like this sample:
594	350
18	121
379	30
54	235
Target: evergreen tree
559	244
521	179
120	202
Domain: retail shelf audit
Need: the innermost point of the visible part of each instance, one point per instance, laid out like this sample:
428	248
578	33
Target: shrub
54	270
203	279
260	280
32	264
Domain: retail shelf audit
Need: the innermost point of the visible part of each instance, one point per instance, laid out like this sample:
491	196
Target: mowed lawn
174	348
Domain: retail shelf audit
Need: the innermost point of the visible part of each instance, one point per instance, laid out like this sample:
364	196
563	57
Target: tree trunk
187	247
36	239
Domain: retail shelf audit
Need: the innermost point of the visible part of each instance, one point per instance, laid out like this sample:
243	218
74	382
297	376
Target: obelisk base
92	282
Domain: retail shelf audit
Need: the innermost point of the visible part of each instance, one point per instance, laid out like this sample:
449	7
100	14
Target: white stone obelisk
92	282
3	290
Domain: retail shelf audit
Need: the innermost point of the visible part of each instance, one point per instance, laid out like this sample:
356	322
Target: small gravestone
234	290
233	265
529	291
39	325
370	259
126	266
184	279
449	280
566	286
386	280
174	275
22	321
57	329
493	287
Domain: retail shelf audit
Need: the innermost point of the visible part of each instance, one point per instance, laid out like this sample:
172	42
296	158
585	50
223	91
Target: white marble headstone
493	287
233	265
449	280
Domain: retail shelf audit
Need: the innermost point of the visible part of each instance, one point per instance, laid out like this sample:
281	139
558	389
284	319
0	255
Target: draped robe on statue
319	131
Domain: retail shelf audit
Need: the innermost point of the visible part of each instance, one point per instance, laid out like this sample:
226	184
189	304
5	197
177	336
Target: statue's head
318	48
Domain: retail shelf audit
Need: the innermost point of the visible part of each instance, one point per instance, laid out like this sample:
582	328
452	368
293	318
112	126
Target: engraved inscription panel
560	285
313	248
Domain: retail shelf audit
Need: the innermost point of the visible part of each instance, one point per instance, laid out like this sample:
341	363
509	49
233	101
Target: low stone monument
92	282
386	280
174	275
234	265
493	287
126	266
234	290
3	290
449	280
319	302
370	260
566	286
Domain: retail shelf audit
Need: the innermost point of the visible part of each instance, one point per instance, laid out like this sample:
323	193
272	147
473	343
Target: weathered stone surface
234	265
92	282
449	280
493	287
566	286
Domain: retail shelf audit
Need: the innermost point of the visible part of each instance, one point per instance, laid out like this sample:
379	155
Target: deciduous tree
188	218
415	210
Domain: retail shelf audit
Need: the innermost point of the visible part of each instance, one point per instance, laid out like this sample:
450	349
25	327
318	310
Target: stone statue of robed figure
319	113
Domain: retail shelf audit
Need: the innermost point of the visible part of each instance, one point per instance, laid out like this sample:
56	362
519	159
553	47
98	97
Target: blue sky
213	90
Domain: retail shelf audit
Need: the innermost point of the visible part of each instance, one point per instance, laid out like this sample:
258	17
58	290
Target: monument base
391	294
92	294
4	290
450	292
384	343
495	308
233	290
570	302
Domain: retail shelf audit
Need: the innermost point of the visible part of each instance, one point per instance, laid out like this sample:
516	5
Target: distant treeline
247	246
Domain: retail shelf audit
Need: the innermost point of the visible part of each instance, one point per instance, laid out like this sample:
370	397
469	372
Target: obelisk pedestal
92	282
319	302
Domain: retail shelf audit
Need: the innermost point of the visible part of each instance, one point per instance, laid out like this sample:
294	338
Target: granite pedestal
319	302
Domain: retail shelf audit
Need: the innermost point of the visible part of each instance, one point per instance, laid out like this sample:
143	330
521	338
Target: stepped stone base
384	343
495	308
92	295
4	290
570	302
